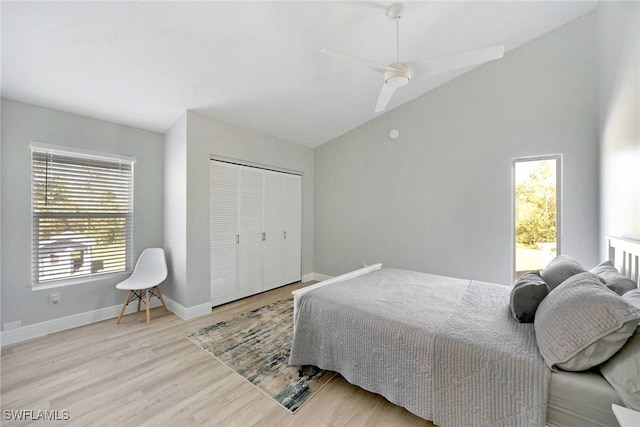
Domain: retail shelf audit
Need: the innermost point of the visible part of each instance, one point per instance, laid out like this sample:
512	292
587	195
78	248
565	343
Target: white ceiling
254	64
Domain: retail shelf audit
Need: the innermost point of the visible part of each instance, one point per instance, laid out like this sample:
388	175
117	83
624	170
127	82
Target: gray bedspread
445	349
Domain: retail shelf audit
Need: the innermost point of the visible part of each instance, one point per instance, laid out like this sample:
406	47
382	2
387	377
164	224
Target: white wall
619	65
438	199
205	137
23	123
175	210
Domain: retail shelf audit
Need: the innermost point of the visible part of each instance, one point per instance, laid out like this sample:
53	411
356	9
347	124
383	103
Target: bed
448	349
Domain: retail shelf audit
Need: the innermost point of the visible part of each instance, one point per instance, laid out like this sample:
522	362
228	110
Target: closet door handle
237	239
285	235
264	236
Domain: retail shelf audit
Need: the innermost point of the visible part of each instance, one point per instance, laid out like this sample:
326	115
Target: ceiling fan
398	74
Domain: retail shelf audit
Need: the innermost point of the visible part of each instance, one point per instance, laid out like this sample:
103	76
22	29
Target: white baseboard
315	276
61	324
187	313
68	322
36	330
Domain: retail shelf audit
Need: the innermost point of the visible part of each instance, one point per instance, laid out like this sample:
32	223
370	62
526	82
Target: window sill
79	280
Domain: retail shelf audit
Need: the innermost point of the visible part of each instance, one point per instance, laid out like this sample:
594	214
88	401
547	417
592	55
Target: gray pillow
623	372
632	297
560	269
581	324
526	295
615	281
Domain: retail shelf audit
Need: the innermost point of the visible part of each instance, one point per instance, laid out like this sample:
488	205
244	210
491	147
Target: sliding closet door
292	245
255	230
250	231
273	228
223	228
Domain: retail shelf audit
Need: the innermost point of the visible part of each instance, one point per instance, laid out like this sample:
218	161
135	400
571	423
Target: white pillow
623	372
582	323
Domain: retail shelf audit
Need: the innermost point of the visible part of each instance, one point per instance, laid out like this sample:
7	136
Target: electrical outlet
54	298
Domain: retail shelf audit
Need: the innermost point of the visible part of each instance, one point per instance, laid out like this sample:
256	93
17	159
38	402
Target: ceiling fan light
397	81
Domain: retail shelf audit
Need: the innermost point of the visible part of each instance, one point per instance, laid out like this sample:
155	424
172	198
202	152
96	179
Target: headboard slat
625	256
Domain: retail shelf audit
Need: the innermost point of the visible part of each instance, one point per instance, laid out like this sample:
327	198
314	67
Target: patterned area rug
256	345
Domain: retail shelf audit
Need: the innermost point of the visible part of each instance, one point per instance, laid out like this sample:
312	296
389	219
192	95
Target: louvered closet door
273	227
223	229
292	245
250	231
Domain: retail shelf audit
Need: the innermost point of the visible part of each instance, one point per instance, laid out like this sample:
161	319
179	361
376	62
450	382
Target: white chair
149	272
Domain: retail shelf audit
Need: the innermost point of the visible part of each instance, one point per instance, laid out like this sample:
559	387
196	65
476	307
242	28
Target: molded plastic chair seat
149	272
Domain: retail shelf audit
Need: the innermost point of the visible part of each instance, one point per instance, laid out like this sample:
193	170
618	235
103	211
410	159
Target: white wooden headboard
625	256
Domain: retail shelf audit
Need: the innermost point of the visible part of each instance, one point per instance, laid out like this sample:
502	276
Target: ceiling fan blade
373	65
439	64
385	95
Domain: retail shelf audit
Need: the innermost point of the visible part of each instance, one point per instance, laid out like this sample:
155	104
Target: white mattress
580	399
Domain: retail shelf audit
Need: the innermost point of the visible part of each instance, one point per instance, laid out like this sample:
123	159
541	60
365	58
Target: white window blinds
82	207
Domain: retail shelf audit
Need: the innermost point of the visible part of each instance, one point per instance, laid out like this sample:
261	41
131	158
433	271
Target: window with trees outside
82	212
537	192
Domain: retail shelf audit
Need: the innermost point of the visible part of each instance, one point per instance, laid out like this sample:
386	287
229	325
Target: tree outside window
82	213
536	202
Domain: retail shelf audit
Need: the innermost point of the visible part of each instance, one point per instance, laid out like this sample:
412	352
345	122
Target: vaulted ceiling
254	64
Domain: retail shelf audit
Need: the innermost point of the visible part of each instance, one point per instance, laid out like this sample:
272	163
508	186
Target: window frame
40	148
559	197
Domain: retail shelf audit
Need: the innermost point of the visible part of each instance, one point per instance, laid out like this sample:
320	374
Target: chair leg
139	300
147	303
126	302
161	300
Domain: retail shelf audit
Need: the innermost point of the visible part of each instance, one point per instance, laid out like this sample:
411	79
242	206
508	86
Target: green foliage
533	230
536	207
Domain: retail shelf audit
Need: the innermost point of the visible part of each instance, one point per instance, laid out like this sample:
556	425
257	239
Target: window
82	211
536	196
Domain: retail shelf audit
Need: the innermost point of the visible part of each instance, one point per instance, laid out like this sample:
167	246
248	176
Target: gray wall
438	199
23	123
619	54
206	136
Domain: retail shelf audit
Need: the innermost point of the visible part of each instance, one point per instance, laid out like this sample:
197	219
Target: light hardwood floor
136	374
